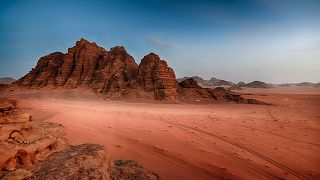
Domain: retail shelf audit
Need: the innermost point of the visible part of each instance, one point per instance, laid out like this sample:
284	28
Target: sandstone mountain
115	75
6	80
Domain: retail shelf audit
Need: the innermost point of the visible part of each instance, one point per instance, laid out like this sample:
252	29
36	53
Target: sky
276	41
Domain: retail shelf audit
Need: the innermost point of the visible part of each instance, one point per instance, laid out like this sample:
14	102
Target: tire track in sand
266	158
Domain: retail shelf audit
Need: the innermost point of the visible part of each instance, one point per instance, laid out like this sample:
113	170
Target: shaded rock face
45	72
189	83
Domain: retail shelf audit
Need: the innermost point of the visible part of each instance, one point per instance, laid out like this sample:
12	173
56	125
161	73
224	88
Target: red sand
200	141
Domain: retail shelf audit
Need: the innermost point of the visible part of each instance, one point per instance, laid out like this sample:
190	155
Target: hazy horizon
271	41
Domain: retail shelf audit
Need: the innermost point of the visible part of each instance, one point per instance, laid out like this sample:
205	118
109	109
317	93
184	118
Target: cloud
162	44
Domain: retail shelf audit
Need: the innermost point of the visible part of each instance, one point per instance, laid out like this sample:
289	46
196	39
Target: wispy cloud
161	43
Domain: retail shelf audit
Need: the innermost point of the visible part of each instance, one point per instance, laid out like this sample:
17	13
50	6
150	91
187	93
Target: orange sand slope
200	141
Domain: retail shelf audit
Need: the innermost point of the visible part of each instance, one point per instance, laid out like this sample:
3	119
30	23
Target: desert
116	119
150	90
198	141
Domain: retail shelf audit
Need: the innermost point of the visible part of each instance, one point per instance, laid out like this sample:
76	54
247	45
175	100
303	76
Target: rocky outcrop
191	92
115	75
24	142
86	161
189	83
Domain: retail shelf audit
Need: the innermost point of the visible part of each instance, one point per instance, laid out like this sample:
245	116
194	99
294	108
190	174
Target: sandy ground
235	141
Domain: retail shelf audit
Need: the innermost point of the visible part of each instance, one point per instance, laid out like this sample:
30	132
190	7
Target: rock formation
32	149
85	161
189	83
191	92
115	75
155	76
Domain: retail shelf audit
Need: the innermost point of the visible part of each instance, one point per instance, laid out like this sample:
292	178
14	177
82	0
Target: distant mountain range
254	84
211	82
6	80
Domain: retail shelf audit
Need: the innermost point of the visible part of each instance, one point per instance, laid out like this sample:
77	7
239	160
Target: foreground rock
31	149
23	142
86	161
115	75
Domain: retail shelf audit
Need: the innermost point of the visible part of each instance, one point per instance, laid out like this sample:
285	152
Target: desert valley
97	114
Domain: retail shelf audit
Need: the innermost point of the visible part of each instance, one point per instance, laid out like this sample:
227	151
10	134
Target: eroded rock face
154	75
25	143
189	83
45	72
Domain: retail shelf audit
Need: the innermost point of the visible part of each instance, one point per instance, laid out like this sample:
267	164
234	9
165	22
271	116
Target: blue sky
270	40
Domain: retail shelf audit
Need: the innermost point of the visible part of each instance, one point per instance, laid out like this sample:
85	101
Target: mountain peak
83	41
118	50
